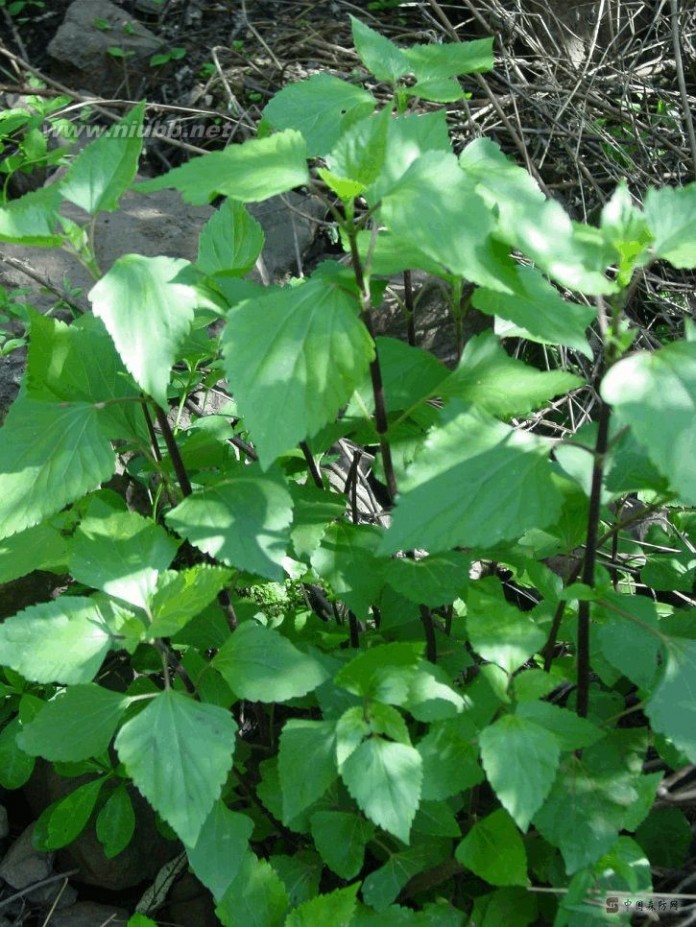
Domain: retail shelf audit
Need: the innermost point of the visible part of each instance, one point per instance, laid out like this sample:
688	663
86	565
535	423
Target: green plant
434	718
14	315
172	54
15	8
24	146
117	52
206	70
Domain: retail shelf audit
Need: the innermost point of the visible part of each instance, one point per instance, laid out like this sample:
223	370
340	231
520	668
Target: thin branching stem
174	452
588	569
381	422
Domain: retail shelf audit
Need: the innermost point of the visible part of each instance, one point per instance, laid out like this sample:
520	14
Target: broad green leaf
628	637
182	595
249	173
434	580
43	547
320	107
383	885
79	363
243	521
360	151
103	171
50	455
624	871
255	898
514	907
392	254
146	304
584	813
431	696
115	823
302	350
220	848
351	729
200	737
665	836
301	874
140	920
385	720
62	641
409	376
670	572
574	256
268	788
65	819
210	685
341	838
520	759
450	759
336	909
230	241
345	190
385	780
434	210
494	851
569	731
655	394
476	483
537	312
450	59
436	819
487	377
261	665
380	56
16	766
306	763
32	219
437	89
670	213
347	560
314	511
121	553
498	631
626	228
365	673
440	914
629	468
672	708
76	724
408	137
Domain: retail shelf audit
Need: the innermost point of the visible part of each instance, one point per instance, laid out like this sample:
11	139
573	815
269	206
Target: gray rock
84	46
23	865
150	7
290	224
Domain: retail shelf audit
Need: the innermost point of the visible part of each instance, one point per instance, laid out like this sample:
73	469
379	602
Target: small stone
89	30
149	7
23	865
